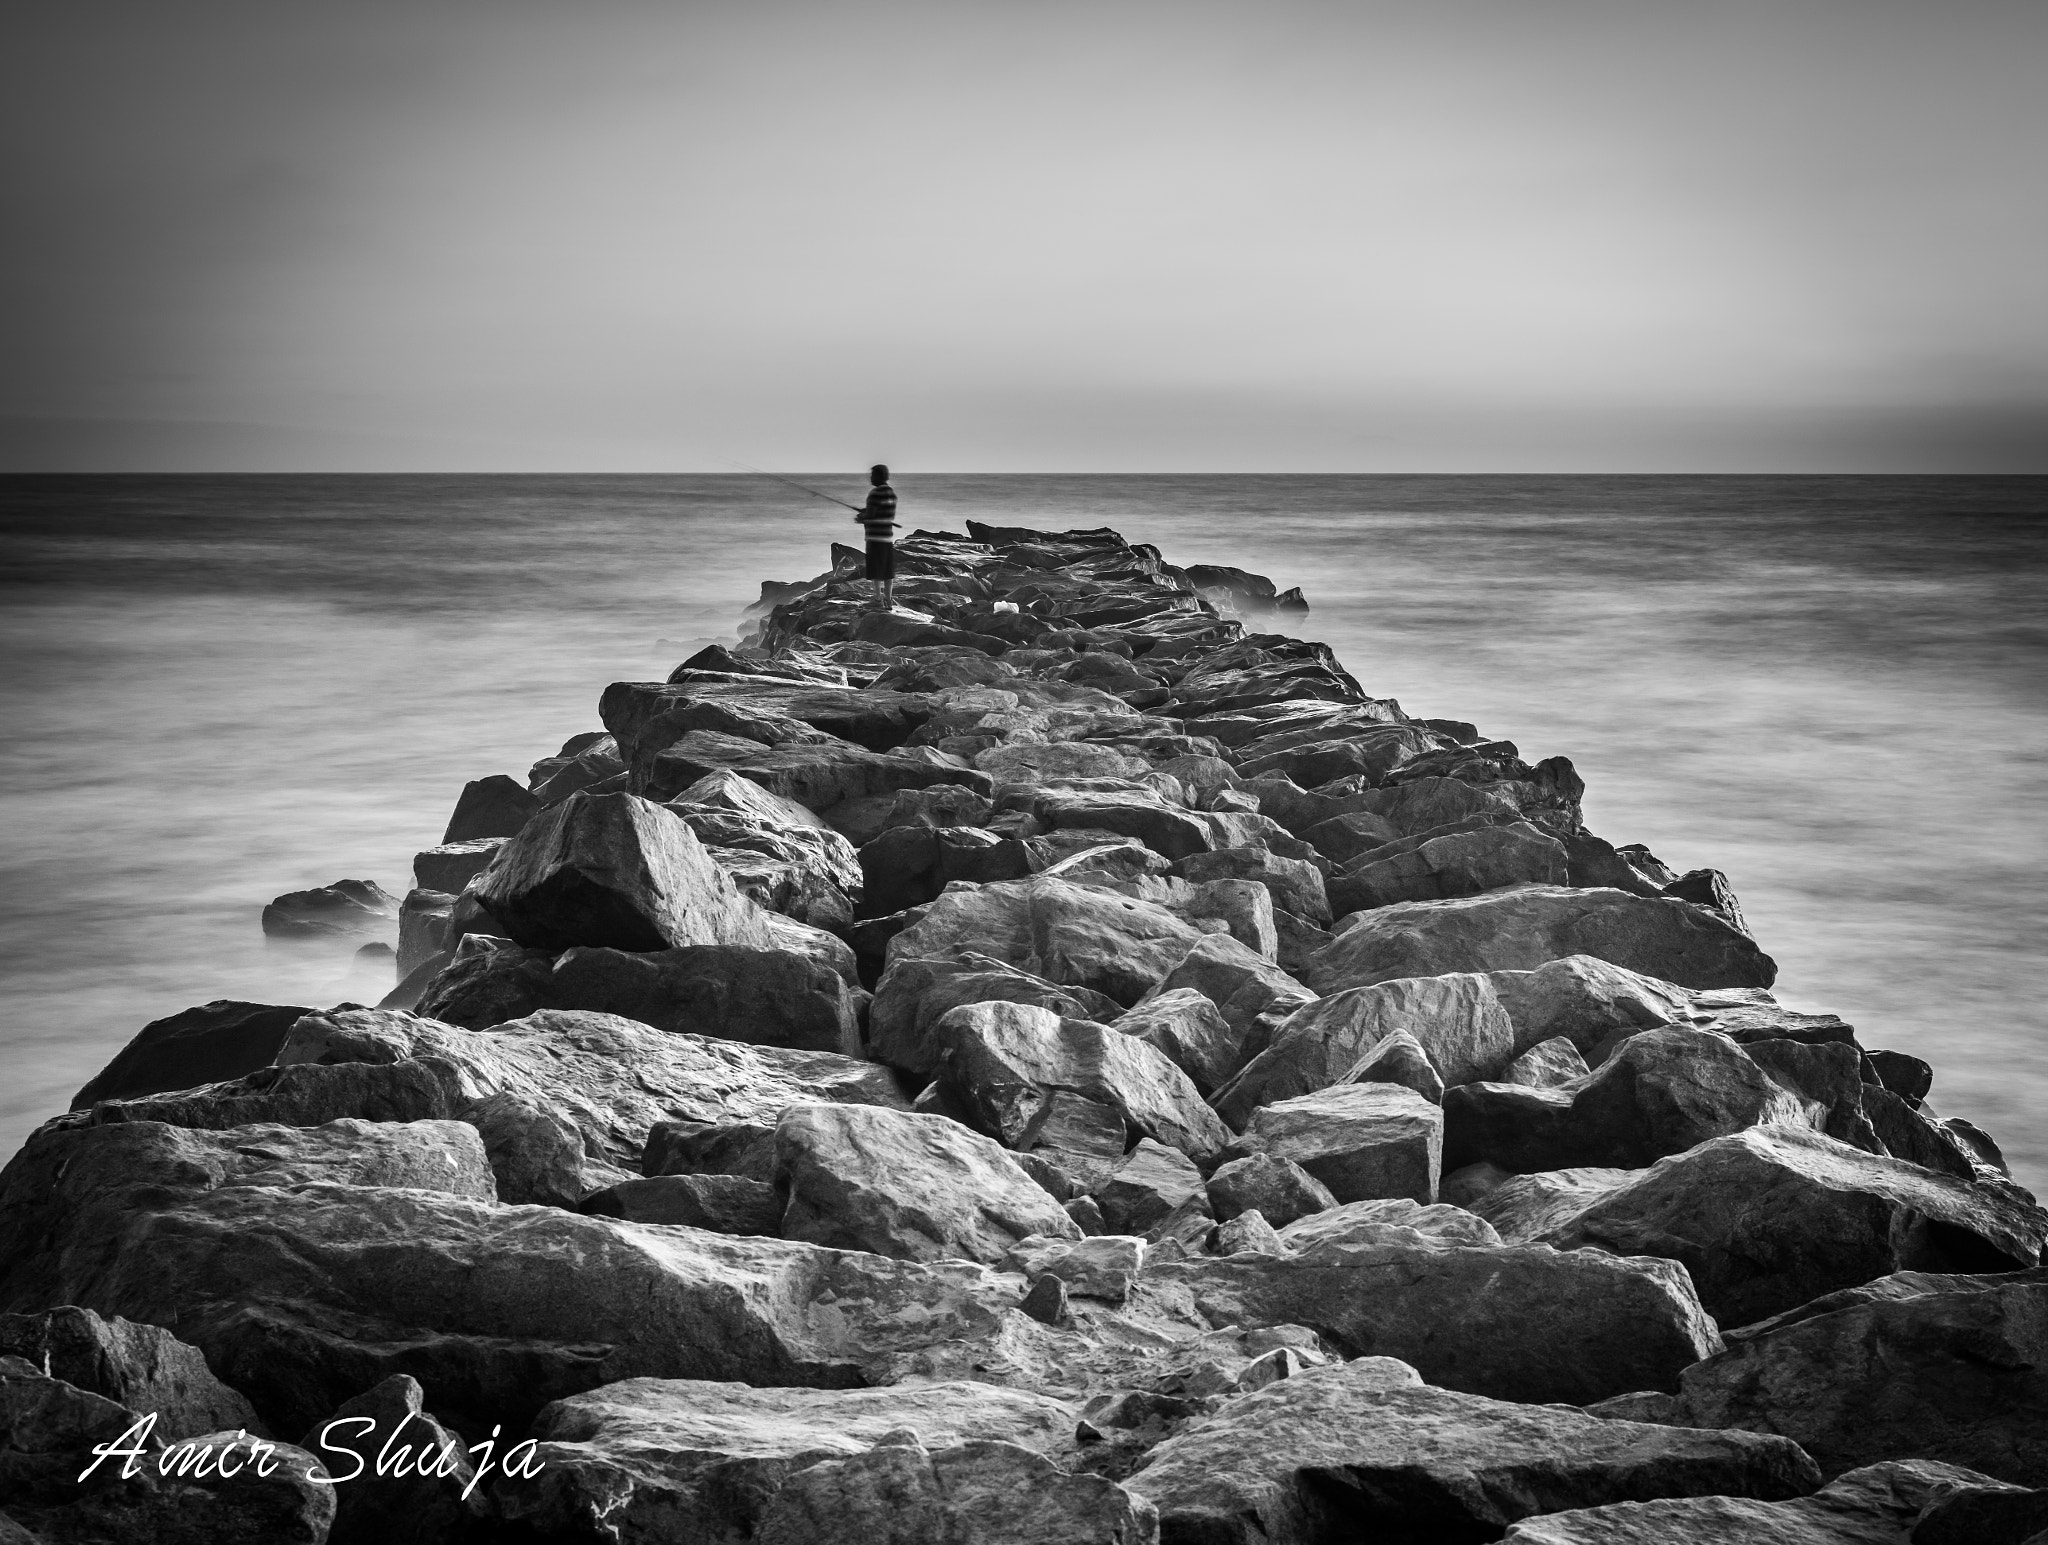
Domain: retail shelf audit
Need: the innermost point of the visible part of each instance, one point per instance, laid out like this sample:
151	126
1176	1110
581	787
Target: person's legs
882	571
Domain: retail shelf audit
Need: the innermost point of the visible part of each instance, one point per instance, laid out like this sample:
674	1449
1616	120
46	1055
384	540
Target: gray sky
1030	235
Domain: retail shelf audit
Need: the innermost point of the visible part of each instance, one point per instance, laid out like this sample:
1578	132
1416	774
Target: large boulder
1365	1450
1459	863
1527	926
987	1493
564	1100
401	1478
1457	1020
915	1187
345	909
1237	980
1278	1189
1914	1501
1586	1000
1769	1218
1191	1030
1005	1061
817	773
142	1367
1068	934
496	806
1663	1092
1917	1365
1513	1322
614	871
222	1039
1395	1222
683	1459
1147	1187
1296	884
766	997
450	867
645	717
1363	1141
914	994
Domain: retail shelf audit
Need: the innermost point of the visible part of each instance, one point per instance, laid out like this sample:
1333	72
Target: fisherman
878	517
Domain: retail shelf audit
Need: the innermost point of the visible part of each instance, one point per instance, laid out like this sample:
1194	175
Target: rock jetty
1058	1062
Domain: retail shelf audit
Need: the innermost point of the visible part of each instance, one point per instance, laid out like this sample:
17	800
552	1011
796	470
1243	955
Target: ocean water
220	689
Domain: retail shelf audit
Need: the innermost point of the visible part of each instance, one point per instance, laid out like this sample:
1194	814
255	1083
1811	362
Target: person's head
878	474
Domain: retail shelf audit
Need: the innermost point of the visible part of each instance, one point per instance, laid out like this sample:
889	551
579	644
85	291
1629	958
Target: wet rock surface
1276	1118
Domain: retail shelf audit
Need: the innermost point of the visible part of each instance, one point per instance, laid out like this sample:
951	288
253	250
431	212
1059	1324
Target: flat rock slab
1769	1218
918	1188
695	1460
1357	1452
1512	1322
1527	926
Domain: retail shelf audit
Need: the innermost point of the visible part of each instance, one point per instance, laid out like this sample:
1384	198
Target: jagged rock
1243	907
1387	1222
818	773
971	1494
489	807
1828	1077
1528	926
1546	1065
1004	1061
376	1447
664	1458
1058	761
1907	1077
914	994
1369	750
1457	1020
1363	1141
595	765
222	1039
142	1367
1586	1000
614	871
1236	980
1888	1504
1459	863
765	997
1512	1322
598	1081
745	1148
1710	890
647	716
1191	1031
1264	1182
1068	934
918	1188
908	866
341	910
1908	1135
1528	1208
1365	1450
1774	1216
1400	1059
1665	1091
1046	1302
724	1204
1104	1266
1916	1365
1249	1232
1298	940
1464	1186
450	867
426	929
1146	1186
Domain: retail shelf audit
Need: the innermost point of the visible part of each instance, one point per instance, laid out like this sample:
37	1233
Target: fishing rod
793	483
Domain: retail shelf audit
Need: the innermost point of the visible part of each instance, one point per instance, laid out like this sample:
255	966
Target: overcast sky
478	235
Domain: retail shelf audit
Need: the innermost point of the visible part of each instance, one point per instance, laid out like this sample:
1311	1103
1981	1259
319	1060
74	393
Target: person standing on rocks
878	517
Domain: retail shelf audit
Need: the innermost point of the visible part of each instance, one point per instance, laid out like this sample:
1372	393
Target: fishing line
788	482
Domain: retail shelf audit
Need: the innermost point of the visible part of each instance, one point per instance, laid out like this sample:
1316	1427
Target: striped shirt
879	515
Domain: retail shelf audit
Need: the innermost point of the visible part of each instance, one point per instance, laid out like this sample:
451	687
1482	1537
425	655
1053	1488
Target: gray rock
1887	1504
972	1494
652	1458
489	807
1546	1065
1103	1266
450	867
1457	1020
1526	1209
1513	1322
744	1148
1528	926
426	929
1364	1450
1278	1188
1908	1135
1298	939
1249	1232
1397	1222
1769	1218
1586	1000
723	1204
1046	1302
1400	1059
614	871
222	1039
1462	863
1237	980
1004	1061
818	774
142	1367
1363	1141
376	1447
1296	885
1665	1091
918	1188
1189	1028
1068	934
1146	1186
345	909
914	994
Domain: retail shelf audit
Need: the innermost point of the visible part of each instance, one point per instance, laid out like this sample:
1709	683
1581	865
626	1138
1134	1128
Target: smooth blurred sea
218	689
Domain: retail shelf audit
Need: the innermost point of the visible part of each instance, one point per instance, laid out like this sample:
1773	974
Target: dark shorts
881	560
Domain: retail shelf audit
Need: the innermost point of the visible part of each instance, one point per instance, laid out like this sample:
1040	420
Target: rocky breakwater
1057	1062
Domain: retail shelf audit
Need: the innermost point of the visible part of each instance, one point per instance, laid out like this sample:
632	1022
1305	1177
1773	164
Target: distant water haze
221	689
